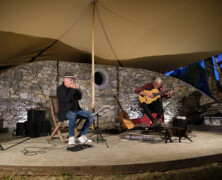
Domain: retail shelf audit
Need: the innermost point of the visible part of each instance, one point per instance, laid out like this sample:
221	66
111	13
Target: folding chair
58	125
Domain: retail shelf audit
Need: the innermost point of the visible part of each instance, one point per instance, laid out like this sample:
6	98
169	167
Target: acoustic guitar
124	117
157	94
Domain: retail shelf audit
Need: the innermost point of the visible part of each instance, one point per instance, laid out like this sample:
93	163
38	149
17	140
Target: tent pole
93	55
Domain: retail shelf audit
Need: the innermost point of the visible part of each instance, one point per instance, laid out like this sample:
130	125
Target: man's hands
74	86
150	95
170	93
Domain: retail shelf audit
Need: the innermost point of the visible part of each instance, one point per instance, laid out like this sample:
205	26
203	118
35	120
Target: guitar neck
163	92
120	107
122	111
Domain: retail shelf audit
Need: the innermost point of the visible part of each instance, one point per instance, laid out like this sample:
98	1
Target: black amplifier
180	121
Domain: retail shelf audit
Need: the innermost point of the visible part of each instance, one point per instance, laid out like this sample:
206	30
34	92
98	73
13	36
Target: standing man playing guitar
151	103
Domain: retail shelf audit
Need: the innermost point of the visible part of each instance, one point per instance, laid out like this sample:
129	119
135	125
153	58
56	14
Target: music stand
100	112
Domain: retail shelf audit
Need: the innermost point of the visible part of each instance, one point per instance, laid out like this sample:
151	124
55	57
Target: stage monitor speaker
20	129
34	124
180	123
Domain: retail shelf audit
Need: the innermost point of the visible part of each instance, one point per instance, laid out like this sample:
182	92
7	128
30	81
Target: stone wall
29	87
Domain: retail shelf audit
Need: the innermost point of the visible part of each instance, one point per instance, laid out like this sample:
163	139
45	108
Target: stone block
24	95
4	93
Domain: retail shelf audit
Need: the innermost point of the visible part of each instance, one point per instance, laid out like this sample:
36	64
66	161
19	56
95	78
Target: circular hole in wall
98	78
101	78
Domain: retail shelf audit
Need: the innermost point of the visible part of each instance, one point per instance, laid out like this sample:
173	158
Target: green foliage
67	175
206	172
13	177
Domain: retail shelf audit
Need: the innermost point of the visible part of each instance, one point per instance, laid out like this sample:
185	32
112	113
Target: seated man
154	105
68	96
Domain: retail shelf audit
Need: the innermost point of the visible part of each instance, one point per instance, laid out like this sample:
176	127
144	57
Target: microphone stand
98	131
103	110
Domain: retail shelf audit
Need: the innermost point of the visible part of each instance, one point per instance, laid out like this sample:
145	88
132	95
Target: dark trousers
154	107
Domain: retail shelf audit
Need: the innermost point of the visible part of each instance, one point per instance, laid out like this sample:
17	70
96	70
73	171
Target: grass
206	172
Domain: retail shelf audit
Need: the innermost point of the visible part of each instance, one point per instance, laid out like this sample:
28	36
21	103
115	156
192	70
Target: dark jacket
68	100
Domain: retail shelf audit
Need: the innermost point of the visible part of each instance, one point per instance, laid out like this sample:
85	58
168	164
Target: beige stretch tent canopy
158	35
